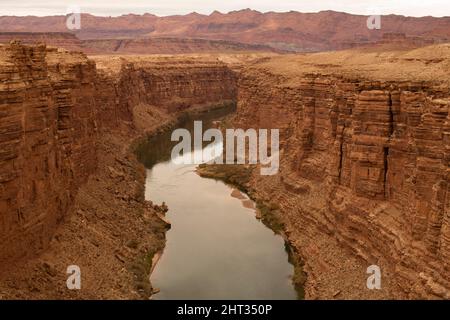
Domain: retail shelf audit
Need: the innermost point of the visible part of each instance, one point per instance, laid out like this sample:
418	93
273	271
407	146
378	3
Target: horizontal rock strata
365	164
54	108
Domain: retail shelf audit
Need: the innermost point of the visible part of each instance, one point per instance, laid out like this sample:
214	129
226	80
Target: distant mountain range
293	31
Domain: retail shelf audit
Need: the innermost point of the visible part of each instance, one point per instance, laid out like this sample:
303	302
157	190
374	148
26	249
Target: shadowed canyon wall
365	161
54	105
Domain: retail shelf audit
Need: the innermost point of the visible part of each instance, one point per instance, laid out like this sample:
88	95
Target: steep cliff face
364	175
365	142
168	88
56	107
47	150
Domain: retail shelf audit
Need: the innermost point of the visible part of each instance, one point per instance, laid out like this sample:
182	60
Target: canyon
72	192
364	164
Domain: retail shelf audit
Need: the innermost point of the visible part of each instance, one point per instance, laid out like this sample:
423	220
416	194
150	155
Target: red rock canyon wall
364	161
53	106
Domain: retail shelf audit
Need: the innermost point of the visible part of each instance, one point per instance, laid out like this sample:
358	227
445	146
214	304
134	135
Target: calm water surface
216	248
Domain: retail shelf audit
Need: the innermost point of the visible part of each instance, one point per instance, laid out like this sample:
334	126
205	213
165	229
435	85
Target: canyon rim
359	205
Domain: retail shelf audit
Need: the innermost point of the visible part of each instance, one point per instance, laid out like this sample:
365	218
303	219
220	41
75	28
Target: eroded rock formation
365	142
363	177
47	146
61	121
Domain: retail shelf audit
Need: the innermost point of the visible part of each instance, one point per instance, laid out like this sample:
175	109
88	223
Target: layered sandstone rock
364	162
364	140
47	150
183	84
55	107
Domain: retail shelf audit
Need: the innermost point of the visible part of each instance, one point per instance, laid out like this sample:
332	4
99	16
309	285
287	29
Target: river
216	247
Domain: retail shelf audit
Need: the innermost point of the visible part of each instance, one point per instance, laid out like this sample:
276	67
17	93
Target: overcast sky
416	8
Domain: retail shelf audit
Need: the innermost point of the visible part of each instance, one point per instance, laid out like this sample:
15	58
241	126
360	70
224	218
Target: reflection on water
216	248
158	148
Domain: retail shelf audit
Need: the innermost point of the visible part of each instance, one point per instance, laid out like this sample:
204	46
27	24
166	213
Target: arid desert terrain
364	127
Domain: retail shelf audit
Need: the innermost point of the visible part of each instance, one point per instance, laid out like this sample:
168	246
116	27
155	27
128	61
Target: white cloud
168	7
